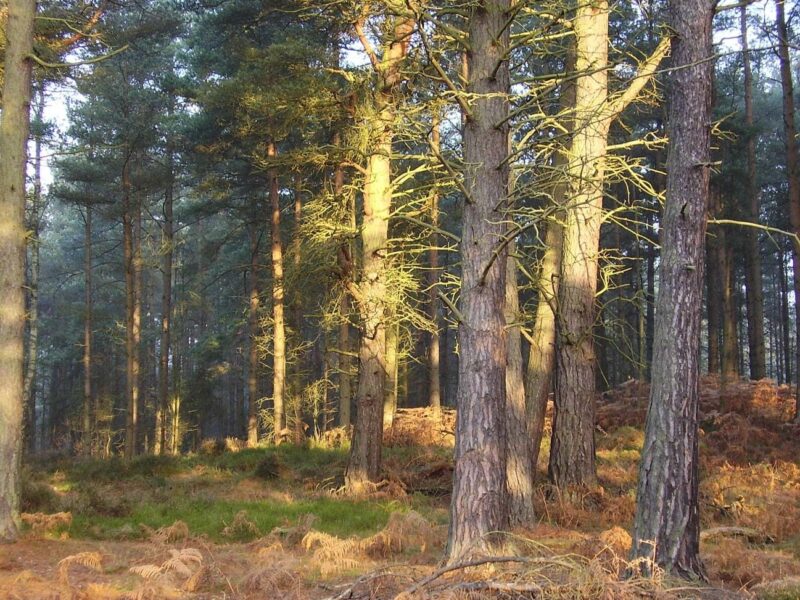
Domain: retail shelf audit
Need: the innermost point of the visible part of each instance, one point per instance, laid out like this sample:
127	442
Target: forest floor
269	523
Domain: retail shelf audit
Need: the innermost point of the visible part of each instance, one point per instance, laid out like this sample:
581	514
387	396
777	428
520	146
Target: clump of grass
268	467
38	497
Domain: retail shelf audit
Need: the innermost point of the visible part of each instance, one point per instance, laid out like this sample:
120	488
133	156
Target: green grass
209	517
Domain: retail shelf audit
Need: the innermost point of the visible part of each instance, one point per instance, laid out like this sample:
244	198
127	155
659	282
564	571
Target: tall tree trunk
14	126
29	383
730	345
479	503
793	168
253	331
346	265
787	346
434	351
365	452
131	319
520	467
713	298
572	455
88	307
297	316
754	282
166	311
667	523
542	356
278	308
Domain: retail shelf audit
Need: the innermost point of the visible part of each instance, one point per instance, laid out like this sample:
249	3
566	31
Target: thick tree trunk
166	313
365	452
479	503
754	282
572	455
667	523
793	168
278	308
14	127
520	467
88	307
253	331
31	351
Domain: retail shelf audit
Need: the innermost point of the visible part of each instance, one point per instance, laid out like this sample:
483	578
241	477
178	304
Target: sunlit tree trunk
132	312
572	455
14	128
346	266
793	168
479	503
667	523
755	284
392	361
278	307
253	331
166	311
88	307
787	347
434	370
365	453
297	317
31	351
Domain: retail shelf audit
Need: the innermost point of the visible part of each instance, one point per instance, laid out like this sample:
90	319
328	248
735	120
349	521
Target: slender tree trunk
787	346
88	307
572	455
730	345
166	312
667	523
346	265
131	320
14	127
542	356
754	282
278	307
253	330
793	168
520	467
713	300
29	383
297	317
434	372
479	503
365	452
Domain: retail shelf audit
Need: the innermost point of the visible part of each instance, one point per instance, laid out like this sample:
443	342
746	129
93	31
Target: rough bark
754	280
520	467
365	453
667	522
14	128
392	363
793	172
479	503
278	307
